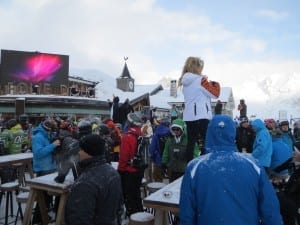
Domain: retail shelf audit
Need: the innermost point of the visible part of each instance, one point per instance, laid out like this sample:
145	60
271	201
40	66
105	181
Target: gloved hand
60	178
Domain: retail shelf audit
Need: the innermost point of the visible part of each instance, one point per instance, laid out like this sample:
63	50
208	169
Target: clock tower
125	82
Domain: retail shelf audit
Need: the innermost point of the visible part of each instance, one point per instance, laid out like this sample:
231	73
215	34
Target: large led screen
34	67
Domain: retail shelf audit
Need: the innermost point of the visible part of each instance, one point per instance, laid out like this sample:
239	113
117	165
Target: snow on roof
104	93
163	99
24	96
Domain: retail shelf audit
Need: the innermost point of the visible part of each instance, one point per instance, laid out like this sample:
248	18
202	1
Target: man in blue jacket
226	187
43	149
262	146
43	158
160	136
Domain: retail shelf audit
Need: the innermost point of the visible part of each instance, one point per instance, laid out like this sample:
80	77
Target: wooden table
46	183
164	200
24	158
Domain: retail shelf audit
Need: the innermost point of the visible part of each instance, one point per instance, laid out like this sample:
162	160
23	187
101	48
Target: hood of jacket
189	78
17	127
178	123
258	124
162	130
40	129
220	135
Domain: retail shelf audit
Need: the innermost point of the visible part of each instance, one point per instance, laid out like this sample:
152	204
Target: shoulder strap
137	141
139	144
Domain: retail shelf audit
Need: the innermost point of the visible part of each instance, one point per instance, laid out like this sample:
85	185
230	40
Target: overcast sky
250	45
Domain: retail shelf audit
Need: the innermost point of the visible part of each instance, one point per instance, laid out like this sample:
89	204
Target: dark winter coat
242	107
116	110
96	196
218	108
245	138
125	108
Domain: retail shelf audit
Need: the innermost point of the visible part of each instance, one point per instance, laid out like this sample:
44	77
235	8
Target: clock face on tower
130	85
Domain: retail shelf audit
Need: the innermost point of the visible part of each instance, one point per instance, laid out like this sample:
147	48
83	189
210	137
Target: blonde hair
191	65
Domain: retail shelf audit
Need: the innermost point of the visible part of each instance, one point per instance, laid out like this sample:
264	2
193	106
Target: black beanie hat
92	144
103	129
11	123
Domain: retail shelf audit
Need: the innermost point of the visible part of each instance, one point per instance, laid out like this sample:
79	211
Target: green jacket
174	155
14	138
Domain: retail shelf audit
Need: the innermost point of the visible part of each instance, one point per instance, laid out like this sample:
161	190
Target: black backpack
141	157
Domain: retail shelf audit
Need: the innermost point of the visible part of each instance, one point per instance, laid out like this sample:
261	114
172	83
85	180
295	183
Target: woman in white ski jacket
197	91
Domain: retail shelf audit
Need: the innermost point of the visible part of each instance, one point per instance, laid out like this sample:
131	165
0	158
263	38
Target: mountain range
279	96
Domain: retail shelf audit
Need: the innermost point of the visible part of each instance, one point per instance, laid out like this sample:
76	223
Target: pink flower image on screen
41	67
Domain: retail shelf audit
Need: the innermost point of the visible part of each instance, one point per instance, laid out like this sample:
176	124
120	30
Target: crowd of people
227	167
